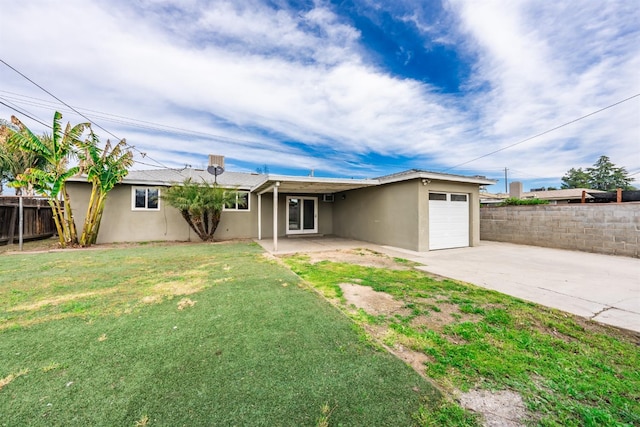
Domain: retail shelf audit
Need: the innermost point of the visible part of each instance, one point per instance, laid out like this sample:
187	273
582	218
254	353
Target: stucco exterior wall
609	228
397	214
122	224
386	214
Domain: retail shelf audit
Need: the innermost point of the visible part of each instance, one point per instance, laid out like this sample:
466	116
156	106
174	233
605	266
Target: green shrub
514	201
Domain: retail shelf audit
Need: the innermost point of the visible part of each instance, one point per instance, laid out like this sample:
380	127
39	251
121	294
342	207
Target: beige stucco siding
397	214
386	214
122	224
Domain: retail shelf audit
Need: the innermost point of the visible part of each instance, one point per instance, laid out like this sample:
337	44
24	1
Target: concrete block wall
609	228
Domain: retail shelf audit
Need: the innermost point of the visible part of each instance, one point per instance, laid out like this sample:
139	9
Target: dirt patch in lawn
447	314
59	300
503	408
363	257
371	301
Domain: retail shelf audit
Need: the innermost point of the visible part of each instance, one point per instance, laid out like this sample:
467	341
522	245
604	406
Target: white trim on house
301	220
147	199
426	175
237	207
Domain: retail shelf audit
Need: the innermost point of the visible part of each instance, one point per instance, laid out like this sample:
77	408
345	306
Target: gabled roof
264	182
167	177
423	174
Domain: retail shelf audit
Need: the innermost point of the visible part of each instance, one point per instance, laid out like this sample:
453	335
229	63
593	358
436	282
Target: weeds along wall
612	229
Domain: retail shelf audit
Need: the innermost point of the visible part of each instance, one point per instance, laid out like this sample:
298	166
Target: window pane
437	196
458	197
243	201
309	207
294	214
152	201
140	198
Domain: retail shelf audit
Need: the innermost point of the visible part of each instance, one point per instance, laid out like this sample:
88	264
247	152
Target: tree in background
575	178
14	161
104	169
200	204
604	175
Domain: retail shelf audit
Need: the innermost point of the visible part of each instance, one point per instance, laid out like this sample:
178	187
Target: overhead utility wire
144	155
48	126
24	113
129	121
545	132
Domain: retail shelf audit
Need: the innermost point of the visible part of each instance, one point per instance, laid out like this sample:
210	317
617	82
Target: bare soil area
364	257
503	408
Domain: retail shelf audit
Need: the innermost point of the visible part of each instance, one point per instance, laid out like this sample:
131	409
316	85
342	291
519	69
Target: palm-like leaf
104	168
49	180
200	204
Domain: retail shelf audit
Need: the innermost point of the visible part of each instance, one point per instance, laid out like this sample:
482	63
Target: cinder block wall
612	229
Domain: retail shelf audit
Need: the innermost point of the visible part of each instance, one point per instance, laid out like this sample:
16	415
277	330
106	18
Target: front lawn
194	334
569	371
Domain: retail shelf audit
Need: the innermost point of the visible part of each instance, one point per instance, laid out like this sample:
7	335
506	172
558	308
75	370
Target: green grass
97	337
569	371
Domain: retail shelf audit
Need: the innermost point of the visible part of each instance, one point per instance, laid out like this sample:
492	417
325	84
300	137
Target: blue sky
355	88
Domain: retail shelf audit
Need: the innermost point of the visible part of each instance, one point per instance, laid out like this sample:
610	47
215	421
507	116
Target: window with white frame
145	199
241	203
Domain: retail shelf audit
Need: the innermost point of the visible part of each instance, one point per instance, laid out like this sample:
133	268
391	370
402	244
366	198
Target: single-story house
416	210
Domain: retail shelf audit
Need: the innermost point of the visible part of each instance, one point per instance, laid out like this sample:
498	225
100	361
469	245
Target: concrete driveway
600	287
604	288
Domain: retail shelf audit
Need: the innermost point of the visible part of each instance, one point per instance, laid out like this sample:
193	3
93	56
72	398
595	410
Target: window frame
134	190
236	207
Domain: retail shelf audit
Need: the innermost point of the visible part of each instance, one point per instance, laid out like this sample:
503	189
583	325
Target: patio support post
275	216
259	216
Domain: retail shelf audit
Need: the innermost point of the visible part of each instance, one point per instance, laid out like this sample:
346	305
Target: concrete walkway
600	287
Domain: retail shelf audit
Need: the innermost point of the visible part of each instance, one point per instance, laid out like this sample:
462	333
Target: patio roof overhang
310	184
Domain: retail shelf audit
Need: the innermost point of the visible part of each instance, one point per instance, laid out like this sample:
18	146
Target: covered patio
300	211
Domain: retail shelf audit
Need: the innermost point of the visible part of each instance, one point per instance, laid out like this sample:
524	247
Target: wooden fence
37	219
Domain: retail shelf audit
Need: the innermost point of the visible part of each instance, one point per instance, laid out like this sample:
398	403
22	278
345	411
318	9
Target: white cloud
247	71
548	63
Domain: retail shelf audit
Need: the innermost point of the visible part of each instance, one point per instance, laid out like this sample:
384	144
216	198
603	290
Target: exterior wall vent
327	198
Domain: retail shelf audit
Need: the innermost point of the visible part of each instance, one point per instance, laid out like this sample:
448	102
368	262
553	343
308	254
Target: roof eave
438	177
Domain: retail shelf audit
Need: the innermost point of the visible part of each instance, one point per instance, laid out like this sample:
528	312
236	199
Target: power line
129	121
26	114
144	155
545	132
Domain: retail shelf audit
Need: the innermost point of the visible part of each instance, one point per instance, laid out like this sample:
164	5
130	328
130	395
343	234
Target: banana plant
49	180
104	169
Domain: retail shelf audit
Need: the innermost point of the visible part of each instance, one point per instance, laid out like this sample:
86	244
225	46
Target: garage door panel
448	221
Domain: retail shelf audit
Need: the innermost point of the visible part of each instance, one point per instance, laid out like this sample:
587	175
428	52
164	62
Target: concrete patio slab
293	245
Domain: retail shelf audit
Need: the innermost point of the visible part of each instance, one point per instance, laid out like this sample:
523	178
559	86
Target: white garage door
448	220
